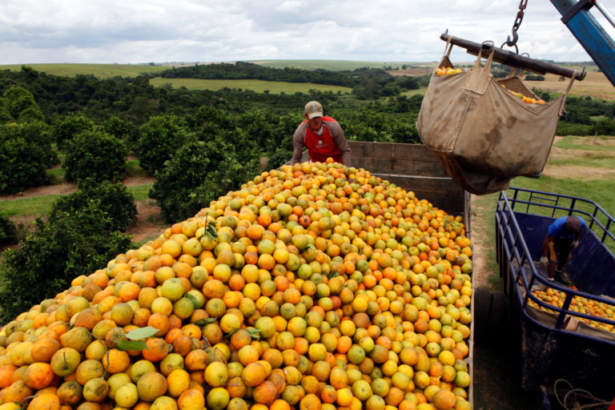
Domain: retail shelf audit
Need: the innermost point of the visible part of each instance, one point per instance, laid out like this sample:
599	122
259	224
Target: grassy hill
98	70
259	86
335	65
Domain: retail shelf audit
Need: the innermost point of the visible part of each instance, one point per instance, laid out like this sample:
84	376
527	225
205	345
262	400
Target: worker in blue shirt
562	238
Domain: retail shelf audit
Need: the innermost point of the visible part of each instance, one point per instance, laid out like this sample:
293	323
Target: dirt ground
264	162
66	188
595	85
480	248
59	189
578	171
149	223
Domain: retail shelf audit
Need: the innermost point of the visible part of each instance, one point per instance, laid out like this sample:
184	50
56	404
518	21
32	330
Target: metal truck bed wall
593	272
548	352
412	167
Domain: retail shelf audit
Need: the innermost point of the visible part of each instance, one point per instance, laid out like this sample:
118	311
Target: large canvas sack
483	134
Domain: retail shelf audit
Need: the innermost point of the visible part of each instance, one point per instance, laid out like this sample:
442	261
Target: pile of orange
579	304
447	71
527	100
315	287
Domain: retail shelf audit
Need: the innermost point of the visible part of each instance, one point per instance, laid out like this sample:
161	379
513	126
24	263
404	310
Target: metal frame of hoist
589	33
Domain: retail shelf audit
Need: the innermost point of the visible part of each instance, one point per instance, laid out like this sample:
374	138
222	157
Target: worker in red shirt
322	136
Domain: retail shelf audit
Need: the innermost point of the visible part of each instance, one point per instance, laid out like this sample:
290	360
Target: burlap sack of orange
480	129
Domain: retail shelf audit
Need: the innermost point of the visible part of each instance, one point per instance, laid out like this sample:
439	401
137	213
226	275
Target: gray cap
313	109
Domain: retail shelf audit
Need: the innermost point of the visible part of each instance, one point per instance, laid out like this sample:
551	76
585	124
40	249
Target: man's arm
298	144
575	242
340	140
544	261
545	245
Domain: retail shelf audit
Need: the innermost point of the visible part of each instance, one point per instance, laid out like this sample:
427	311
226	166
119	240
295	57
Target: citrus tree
95	155
196	175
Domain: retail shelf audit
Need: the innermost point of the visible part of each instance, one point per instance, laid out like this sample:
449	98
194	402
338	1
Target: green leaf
232	332
128	345
211	231
142	333
334	274
204	322
254	333
193	300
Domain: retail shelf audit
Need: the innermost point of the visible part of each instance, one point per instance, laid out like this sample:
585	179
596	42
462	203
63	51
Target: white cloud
97	31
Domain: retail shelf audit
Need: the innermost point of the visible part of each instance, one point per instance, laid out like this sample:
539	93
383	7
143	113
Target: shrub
368	126
20	105
22	166
279	158
282	134
245	148
68	128
113	199
56	253
531	77
605	126
124	130
37	134
8	232
160	138
405	132
198	174
565	128
259	126
96	155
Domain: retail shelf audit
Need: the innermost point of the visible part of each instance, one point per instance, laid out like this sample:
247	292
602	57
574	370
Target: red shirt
321	147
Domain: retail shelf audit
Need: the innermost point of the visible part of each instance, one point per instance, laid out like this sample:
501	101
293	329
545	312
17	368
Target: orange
38	376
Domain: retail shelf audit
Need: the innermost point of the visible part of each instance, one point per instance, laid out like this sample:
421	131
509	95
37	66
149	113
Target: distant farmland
334	65
259	86
97	70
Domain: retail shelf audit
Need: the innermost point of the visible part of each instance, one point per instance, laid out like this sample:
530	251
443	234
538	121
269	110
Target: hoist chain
515	28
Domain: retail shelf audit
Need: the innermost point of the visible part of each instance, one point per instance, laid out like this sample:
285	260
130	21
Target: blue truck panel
547	350
590	267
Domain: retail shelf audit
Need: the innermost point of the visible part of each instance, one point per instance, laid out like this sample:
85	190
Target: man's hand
574	244
544	262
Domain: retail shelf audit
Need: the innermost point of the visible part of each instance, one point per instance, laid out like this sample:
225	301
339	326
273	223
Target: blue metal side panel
594	39
591	266
534	228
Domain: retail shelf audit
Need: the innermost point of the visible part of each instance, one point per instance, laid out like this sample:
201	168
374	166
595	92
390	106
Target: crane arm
589	32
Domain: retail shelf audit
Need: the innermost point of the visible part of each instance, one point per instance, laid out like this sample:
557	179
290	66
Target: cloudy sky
137	31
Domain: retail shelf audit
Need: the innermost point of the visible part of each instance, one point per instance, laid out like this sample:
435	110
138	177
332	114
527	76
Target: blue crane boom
589	32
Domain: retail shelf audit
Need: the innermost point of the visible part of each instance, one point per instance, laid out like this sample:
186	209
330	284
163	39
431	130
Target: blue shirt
558	228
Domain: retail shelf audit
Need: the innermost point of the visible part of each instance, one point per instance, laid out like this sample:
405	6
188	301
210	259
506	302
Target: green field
41	205
410	93
334	65
98	70
275	87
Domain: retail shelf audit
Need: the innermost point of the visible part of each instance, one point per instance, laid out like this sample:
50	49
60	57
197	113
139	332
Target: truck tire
498	316
482	308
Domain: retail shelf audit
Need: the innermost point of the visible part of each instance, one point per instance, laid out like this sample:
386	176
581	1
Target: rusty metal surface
412	167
